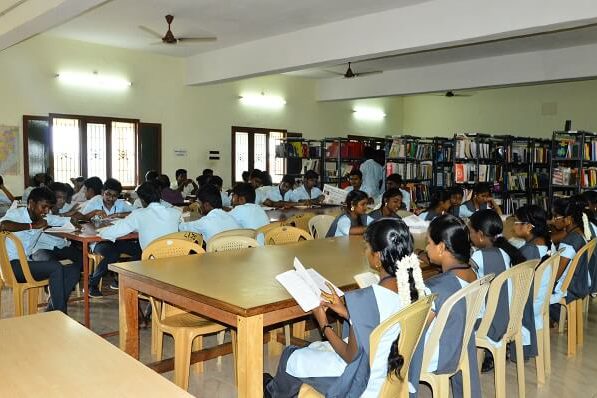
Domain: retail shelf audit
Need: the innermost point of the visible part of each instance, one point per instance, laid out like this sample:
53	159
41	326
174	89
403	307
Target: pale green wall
512	110
195	118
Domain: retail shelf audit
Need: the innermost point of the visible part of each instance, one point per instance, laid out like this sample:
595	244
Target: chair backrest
170	247
548	266
187	235
320	225
520	277
6	269
249	233
268	227
474	296
226	243
587	250
285	235
412	320
300	220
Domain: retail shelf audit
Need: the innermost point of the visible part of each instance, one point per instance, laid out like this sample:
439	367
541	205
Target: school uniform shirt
531	251
276	196
214	222
261	194
28	238
26	192
468	208
186	190
151	222
406	198
377	214
372	177
139	205
429	215
342	224
363	188
67	207
4	199
578	287
226	201
251	216
301	193
79	197
171	196
97	203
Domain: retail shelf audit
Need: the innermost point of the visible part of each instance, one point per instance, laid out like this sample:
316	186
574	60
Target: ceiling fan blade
334	72
373	72
196	39
150	31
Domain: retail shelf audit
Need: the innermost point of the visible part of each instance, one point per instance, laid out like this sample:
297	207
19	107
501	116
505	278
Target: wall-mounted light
262	100
93	80
365	113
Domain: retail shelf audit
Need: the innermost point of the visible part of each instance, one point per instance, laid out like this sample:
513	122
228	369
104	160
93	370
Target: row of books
467	148
520	152
419	193
590	152
298	149
588	177
568	148
444	178
411	171
444	154
301	165
564	176
517	181
468	173
401	148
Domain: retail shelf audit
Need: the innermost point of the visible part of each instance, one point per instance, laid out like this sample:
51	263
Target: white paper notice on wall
180	152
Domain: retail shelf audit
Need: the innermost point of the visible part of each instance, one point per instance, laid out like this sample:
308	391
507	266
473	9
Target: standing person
342	365
372	173
448	245
184	185
354	220
308	192
439	205
481	200
390	204
28	223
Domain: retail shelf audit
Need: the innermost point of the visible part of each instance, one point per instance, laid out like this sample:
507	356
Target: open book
68	227
366	279
305	285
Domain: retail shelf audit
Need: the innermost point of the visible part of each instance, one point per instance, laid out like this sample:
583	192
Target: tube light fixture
262	100
365	113
93	80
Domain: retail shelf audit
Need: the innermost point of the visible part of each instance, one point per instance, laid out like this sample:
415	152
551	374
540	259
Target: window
255	148
94	146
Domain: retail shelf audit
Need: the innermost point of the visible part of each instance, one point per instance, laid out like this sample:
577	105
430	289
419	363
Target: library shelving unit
443	162
341	154
539	176
300	155
518	169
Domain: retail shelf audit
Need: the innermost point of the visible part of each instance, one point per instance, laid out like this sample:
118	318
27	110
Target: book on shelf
402	148
517	181
469	148
425	170
540	200
564	176
588	177
298	149
518	154
444	154
443	178
408	171
590	152
305	285
541	155
567	148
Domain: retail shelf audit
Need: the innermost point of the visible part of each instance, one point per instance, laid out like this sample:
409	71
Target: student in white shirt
38	180
256	179
355	179
6	196
79	188
372	173
184	185
152	221
107	204
214	220
218	183
28	223
308	192
61	207
246	213
395	181
280	196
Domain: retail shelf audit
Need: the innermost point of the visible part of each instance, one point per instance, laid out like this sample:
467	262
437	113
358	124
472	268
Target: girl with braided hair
340	366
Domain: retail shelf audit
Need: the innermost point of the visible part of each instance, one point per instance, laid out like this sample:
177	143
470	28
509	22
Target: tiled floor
571	377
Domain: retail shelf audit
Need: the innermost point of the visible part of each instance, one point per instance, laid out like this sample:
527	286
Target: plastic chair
520	278
186	235
320	225
285	235
474	294
268	227
226	243
249	233
412	320
543	358
186	329
573	309
31	286
300	220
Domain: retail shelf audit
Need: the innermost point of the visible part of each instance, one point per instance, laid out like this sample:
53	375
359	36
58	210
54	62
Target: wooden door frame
26	119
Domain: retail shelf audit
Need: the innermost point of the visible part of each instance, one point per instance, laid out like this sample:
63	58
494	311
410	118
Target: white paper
333	195
415	222
68	227
14	205
267	208
366	279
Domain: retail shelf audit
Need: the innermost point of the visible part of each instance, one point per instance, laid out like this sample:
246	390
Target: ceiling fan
169	37
451	94
349	74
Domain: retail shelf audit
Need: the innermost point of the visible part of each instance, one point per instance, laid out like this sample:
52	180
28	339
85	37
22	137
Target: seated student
28	223
168	194
245	176
530	225
391	202
355	179
448	245
214	220
394	181
69	205
481	200
93	188
439	205
570	219
6	196
456	195
202	181
208	172
38	180
256	180
184	185
106	204
246	213
152	221
389	251
494	255
218	183
354	221
280	195
308	192
590	199
79	188
61	207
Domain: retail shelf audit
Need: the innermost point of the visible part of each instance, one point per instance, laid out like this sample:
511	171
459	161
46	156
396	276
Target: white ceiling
546	41
232	21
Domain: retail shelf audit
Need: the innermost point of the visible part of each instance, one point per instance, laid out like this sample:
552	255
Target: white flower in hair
409	262
586	226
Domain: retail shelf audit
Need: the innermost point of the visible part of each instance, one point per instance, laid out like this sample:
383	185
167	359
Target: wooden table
86	240
283	214
51	355
235	288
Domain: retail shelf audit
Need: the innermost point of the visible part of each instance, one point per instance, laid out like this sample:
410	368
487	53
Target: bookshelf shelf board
563	187
566	159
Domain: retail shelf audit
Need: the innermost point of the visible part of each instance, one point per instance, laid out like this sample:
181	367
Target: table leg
128	318
86	284
250	356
